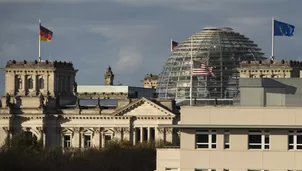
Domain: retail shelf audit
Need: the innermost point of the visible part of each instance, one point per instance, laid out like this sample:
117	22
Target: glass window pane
202	138
299	139
214	138
290	139
255	146
202	145
266	139
226	138
254	138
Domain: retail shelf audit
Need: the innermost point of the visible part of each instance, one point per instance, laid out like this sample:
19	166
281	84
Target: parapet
39	64
271	63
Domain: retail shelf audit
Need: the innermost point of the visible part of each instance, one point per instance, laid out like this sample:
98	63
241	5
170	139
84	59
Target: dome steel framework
220	48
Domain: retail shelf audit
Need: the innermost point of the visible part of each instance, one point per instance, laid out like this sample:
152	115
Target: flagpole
273	32
39	58
191	77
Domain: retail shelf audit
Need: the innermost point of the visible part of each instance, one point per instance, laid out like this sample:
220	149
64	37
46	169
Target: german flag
45	34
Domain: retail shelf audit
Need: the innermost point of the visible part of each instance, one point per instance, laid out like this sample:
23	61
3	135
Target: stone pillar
42	135
103	139
24	86
169	134
141	133
34	77
126	134
159	134
148	131
82	140
76	139
96	137
118	133
134	136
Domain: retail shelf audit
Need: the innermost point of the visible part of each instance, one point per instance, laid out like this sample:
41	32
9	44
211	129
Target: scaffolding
220	48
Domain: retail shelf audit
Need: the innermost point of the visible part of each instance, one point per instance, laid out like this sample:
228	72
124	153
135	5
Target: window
205	169
30	83
295	140
41	83
19	83
258	139
256	170
87	141
206	139
67	141
226	139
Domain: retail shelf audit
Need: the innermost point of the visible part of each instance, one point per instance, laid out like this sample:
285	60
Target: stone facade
150	81
53	113
270	69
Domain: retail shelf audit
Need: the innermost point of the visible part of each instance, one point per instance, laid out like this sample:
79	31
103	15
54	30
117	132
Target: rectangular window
206	139
205	169
256	170
258	139
226	139
67	141
295	140
87	141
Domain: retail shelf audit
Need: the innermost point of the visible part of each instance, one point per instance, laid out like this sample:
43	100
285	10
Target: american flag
203	71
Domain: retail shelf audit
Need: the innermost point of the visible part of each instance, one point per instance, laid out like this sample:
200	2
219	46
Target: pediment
143	107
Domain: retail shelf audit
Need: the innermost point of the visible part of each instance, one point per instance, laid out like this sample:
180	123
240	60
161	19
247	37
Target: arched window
41	83
30	83
19	83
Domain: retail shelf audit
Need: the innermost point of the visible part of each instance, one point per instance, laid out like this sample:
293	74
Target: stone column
141	133
34	77
23	89
96	137
82	140
134	135
103	139
148	131
169	134
42	135
76	139
159	134
118	133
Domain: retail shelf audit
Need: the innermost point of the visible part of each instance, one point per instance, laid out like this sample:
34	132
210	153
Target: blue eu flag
283	29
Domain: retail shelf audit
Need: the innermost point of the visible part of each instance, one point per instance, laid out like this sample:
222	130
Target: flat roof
102	88
217	126
241	107
109	89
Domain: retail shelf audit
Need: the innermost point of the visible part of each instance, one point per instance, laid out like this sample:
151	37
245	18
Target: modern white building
262	132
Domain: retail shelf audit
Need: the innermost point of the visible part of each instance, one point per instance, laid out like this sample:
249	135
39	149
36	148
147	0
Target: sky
133	36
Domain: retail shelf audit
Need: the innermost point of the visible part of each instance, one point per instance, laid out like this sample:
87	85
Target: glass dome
221	49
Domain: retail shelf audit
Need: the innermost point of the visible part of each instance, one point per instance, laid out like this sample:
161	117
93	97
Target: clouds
133	36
